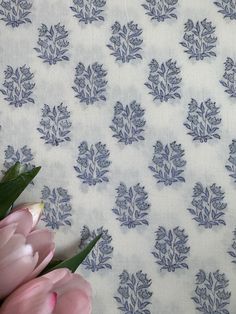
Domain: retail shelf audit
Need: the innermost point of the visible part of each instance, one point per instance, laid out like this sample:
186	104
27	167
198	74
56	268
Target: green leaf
51	265
11	190
74	262
13	172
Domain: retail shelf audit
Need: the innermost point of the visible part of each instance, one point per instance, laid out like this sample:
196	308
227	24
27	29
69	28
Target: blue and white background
130	108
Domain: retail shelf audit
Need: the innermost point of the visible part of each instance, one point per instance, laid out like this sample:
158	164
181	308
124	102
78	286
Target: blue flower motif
100	256
18	86
93	163
57	207
211	295
164	80
131	206
22	155
160	10
231	166
232	251
227	8
229	77
203	120
208	206
55	125
88	11
90	83
199	39
125	42
15	12
53	44
134	295
167	163
171	250
128	122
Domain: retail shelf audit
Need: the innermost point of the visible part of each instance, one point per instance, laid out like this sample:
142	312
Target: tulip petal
6	233
14	254
76	282
35	210
36	285
41	241
41	266
24	221
63	281
59	277
15	242
73	302
13	274
32	297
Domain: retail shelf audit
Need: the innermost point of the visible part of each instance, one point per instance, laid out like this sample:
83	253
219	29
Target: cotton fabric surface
129	107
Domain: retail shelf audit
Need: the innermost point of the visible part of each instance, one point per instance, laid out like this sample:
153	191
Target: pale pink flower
24	251
57	292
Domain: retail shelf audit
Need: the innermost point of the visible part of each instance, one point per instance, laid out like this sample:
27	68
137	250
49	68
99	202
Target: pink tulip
57	292
24	251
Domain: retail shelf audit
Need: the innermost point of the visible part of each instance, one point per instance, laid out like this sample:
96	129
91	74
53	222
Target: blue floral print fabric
130	109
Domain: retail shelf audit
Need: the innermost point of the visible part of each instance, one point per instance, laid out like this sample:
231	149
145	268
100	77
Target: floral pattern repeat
55	125
168	163
199	39
203	120
171	250
208	205
18	86
164	80
90	83
15	12
52	43
211	294
131	206
128	123
129	107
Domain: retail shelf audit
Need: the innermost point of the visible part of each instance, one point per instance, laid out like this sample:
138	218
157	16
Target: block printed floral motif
232	251
134	293
211	295
128	123
131	206
168	163
171	250
88	11
93	163
125	42
160	10
227	8
229	77
57	207
18	86
208	205
15	12
100	257
164	80
55	125
90	83
23	155
231	165
199	39
53	43
203	120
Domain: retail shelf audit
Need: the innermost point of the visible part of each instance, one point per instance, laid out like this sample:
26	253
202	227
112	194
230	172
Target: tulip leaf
73	263
11	190
49	267
13	172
